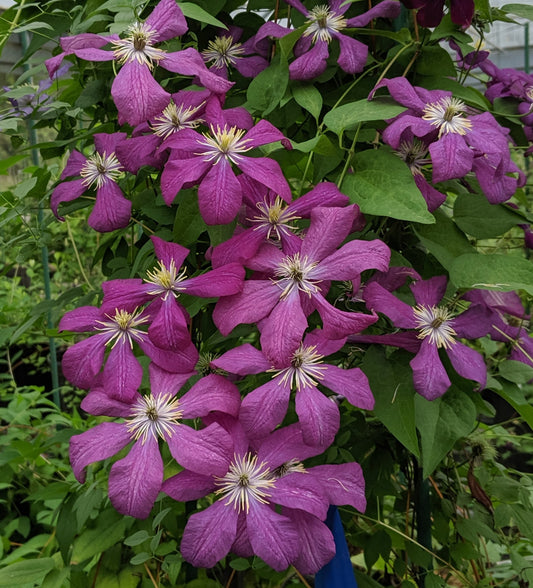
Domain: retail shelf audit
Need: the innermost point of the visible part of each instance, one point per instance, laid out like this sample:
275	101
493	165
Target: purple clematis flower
225	51
208	159
270	218
135	480
433	327
292	286
169	327
265	407
244	519
101	170
325	23
457	143
430	11
137	95
119	328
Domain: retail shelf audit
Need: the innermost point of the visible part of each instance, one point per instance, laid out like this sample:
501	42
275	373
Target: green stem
351	152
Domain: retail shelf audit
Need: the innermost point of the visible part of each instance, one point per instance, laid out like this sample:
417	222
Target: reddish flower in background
430	12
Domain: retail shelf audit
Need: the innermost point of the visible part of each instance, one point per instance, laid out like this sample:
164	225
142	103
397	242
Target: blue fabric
338	573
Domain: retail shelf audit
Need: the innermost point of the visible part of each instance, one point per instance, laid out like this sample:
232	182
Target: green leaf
512	394
268	88
523	10
348	116
383	185
140	558
308	97
391	383
516	371
287	42
492	272
441	423
109	530
194	11
434	58
240	564
137	538
475	215
188	225
25	572
444	240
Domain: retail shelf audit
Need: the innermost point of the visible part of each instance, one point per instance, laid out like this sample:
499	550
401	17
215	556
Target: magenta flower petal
317	546
353	54
273	537
311	64
181	360
350	383
83	361
379	299
240	248
429	292
98	402
96	444
267	172
168	20
212	392
188	485
138	97
385	9
300	490
122	373
80	319
283	445
451	157
169	329
206	450
468	362
137	152
135	481
66	192
169	252
219	194
265	407
222	281
262	133
178	172
429	376
432	196
242	360
209	534
342	484
323	194
163	382
74	165
319	416
108	142
338	323
111	210
92	54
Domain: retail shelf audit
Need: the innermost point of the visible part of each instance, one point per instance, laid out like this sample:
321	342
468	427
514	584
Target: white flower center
322	22
222	51
305	369
274	219
434	322
123	326
174	118
293	465
224	143
245	481
294	274
165	280
154	416
99	168
447	116
137	46
414	154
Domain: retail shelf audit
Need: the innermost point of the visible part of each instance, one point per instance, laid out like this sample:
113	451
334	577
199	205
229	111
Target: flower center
99	168
138	46
165	280
434	322
224	143
175	118
154	416
305	369
447	116
294	273
322	22
293	465
245	481
222	51
414	154
123	326
274	219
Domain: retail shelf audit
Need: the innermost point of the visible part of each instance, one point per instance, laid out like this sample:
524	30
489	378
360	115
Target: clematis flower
325	23
292	286
135	480
169	327
101	170
244	520
137	95
208	159
120	329
225	51
432	327
270	218
265	407
459	142
429	12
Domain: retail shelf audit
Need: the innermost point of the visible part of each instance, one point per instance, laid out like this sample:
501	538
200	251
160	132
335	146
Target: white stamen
154	415
165	280
99	168
224	143
294	273
175	118
434	322
447	116
123	326
274	218
222	51
137	46
245	481
322	23
305	369
414	154
293	465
